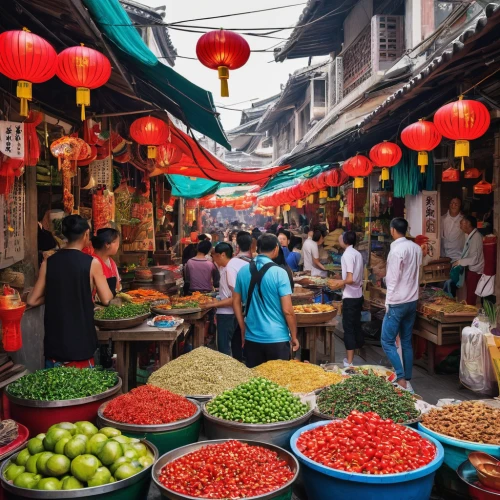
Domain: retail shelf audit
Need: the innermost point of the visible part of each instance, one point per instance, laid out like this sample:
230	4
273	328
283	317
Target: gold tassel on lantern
422	160
151	152
461	150
224	77
23	91
385	174
300	203
359	182
83	99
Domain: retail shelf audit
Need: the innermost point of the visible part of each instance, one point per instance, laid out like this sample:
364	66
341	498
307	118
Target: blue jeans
399	319
226	325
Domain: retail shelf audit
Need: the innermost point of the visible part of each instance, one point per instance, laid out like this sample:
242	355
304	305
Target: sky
261	76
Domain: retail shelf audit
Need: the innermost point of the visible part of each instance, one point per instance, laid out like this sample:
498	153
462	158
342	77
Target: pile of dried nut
469	421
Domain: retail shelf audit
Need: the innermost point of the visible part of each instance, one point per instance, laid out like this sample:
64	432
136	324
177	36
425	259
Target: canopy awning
186	101
186	187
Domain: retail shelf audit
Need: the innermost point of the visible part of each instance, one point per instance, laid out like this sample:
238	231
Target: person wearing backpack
268	324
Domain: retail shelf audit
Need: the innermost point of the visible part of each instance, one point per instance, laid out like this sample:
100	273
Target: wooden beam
31	227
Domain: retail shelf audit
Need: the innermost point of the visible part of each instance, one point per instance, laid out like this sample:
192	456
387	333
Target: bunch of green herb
63	383
123	312
367	393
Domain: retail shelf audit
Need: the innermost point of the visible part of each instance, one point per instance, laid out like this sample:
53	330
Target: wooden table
313	332
198	321
123	339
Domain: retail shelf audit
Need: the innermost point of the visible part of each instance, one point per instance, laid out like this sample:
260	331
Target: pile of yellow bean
296	376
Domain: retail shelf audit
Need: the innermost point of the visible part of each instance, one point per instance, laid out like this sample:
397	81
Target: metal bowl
180	452
467	473
277	433
34	403
179	424
84	492
120	324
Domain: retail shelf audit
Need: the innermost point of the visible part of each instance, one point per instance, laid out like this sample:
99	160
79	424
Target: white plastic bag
476	372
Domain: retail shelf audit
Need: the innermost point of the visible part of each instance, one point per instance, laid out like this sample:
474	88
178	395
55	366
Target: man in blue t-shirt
270	320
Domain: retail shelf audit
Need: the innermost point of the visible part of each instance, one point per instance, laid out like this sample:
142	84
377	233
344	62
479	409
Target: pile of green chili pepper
367	393
123	312
55	384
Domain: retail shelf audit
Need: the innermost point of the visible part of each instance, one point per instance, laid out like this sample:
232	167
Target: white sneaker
347	364
409	387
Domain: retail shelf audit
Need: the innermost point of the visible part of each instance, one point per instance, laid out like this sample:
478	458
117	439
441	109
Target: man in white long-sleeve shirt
452	236
471	257
402	281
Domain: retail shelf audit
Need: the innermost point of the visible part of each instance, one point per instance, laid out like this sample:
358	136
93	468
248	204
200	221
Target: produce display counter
123	340
311	333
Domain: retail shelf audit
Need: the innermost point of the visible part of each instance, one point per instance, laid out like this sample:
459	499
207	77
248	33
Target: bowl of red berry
226	468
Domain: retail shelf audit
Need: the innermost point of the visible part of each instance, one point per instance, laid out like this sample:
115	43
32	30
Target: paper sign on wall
12	139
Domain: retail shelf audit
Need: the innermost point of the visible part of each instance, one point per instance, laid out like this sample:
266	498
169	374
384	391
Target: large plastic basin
324	483
38	416
278	433
133	488
456	451
283	493
467	473
165	437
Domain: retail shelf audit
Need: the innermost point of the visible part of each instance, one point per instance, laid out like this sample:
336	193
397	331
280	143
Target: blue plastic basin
324	483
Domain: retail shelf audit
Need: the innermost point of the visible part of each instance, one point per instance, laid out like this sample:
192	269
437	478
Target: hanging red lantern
27	58
462	121
422	136
167	154
472	173
85	69
358	166
450	175
149	131
223	50
385	155
336	177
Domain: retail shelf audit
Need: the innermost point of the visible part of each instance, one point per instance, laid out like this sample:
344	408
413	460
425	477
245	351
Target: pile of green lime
74	456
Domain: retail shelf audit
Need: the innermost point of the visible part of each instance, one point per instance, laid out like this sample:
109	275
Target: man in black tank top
65	285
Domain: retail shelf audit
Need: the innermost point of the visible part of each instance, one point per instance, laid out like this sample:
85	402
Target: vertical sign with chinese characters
12	139
431	221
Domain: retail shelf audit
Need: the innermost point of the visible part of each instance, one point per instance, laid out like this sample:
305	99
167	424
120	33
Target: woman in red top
106	243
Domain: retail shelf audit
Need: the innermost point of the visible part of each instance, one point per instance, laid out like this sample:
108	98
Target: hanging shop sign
422	136
431	221
462	121
12	139
223	50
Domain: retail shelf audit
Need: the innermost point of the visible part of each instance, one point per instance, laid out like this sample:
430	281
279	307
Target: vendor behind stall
65	286
106	243
452	236
201	275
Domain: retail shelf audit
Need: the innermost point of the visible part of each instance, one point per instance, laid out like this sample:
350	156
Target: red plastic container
38	416
11	328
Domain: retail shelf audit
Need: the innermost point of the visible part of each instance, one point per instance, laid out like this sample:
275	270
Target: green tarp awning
289	177
187	187
196	104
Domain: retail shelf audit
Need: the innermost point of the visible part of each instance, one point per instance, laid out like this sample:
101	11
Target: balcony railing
357	61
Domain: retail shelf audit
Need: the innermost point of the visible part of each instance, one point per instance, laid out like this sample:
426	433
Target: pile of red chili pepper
366	444
149	405
229	470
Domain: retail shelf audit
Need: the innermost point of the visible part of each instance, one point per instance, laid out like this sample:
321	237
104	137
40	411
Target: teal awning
290	176
188	187
196	104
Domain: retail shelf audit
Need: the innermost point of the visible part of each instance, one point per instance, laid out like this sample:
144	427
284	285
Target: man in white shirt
352	297
471	257
402	281
310	254
452	236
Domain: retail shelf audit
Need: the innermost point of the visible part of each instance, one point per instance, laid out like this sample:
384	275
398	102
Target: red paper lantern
336	178
85	69
168	154
27	58
149	131
422	136
223	50
462	121
358	166
386	154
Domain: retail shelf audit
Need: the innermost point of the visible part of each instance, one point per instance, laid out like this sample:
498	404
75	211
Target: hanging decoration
422	136
336	178
358	166
27	58
83	68
472	173
151	132
462	121
450	175
31	140
167	154
223	50
386	154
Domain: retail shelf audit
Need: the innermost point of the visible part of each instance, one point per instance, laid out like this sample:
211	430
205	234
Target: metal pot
278	433
283	493
38	416
138	486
